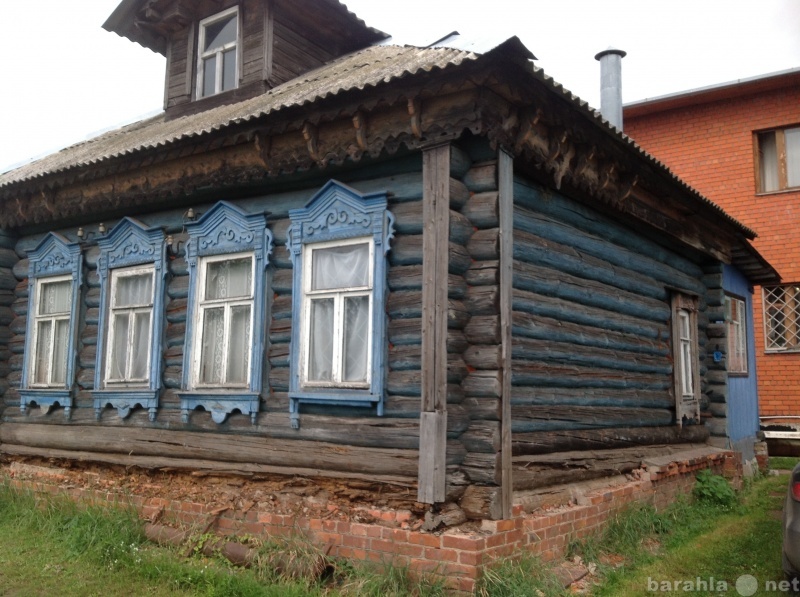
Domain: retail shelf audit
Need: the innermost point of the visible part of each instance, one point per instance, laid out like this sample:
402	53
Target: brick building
738	143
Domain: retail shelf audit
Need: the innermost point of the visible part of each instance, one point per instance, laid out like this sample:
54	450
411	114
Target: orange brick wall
710	146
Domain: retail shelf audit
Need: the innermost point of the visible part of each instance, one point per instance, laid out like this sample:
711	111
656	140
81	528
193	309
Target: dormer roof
150	22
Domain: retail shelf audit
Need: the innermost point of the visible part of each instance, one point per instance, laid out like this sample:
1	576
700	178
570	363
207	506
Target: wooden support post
435	253
505	188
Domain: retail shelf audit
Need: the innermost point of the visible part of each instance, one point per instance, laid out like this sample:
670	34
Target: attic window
218	62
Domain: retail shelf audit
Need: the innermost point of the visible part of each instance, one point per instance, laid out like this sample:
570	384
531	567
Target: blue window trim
53	256
130	243
226	229
338	212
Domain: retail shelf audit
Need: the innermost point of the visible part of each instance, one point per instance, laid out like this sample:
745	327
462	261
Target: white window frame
218	52
37	318
113	310
736	320
339	295
228	304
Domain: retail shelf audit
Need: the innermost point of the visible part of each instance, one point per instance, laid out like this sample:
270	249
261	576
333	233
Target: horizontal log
482	384
484	245
526	373
482	177
584	217
547	442
483	356
459	193
585	294
178	287
483	300
538	396
483	468
526	419
409	277
598	246
531	472
482	436
461	229
555	351
482	210
164	462
482	273
483	329
280	330
235	450
282	281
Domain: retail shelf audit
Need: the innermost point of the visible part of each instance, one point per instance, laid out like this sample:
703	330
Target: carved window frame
55	258
235	46
226	230
339	214
129	245
686	358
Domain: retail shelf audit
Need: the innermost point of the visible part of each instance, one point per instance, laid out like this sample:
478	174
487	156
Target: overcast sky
66	79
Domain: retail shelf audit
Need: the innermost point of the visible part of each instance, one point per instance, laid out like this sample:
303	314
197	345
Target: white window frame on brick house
777	159
736	324
685	355
217	54
781	307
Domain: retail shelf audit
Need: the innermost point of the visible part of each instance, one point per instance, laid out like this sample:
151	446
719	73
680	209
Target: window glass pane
684	323
229	70
60	342
320	354
133	290
41	366
239	345
356	338
209	76
212	346
220	33
340	267
768	162
140	345
119	347
792	137
686	358
55	298
229	279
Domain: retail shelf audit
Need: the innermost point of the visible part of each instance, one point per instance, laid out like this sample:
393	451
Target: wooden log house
333	256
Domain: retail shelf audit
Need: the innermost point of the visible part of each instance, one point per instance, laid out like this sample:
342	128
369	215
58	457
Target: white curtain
337	269
229	279
356	341
793	157
52	333
340	267
320	362
211	357
132	312
239	345
768	162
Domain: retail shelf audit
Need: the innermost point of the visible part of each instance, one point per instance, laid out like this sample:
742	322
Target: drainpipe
611	85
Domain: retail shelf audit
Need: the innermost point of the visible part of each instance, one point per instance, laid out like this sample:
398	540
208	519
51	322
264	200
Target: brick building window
781	317
778	154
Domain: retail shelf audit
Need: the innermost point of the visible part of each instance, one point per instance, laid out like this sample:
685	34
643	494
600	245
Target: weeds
714	490
525	575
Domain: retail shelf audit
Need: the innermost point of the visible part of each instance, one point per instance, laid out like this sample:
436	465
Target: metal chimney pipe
611	85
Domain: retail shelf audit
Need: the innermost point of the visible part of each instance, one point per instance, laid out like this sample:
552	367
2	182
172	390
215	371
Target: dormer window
218	62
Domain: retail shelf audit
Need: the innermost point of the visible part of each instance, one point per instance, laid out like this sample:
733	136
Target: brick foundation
457	554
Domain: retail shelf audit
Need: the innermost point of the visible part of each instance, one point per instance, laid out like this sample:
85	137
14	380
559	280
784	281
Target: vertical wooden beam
191	66
435	255
269	21
505	188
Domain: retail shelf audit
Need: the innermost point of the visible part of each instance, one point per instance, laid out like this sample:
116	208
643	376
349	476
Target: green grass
53	546
699	540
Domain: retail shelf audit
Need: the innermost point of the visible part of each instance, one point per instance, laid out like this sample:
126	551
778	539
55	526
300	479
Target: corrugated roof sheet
367	68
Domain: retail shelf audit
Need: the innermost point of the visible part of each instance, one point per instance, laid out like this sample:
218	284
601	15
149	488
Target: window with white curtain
778	165
225	320
130	326
337	313
51	332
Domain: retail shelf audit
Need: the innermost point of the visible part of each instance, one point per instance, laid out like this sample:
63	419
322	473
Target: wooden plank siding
591	339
